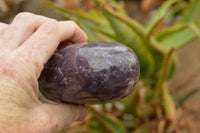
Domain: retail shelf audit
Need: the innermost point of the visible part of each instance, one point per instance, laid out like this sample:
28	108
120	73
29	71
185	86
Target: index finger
42	44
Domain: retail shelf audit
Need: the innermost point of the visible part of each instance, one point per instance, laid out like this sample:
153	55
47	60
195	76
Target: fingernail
83	114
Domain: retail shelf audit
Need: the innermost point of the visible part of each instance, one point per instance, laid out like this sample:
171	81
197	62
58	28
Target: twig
161	126
188	96
192	79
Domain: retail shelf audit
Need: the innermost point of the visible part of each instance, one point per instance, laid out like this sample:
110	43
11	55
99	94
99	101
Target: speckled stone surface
88	73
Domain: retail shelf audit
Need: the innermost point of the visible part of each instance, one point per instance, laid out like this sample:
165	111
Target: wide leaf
191	12
160	14
178	36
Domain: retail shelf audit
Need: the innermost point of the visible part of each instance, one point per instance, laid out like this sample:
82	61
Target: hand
25	46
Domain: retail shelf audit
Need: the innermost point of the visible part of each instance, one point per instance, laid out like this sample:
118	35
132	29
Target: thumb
54	117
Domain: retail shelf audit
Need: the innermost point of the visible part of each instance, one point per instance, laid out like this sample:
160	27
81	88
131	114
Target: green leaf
118	6
176	9
145	58
173	67
133	24
110	122
122	32
160	14
190	13
81	17
178	36
168	104
92	36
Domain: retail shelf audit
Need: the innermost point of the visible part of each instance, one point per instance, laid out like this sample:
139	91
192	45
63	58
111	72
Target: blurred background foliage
157	31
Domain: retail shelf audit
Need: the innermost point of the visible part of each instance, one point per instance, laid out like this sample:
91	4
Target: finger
22	27
53	117
3	26
43	43
70	31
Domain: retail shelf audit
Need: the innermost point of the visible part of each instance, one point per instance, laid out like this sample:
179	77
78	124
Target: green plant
151	105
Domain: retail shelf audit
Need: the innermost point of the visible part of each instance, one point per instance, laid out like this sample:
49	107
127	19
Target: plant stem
168	104
164	69
137	27
167	100
157	45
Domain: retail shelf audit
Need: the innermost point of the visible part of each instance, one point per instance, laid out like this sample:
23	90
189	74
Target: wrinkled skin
25	46
86	73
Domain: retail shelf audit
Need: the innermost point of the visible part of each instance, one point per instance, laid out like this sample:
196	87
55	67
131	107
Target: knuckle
23	15
16	69
29	59
52	22
72	23
41	119
45	117
50	27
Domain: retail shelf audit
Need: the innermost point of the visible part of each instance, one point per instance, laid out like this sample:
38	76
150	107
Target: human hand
25	46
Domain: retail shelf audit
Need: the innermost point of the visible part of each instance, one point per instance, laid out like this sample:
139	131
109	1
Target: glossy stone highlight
88	73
